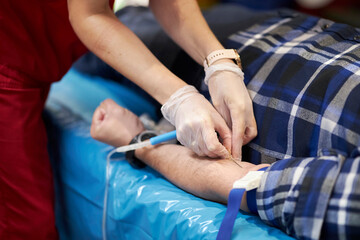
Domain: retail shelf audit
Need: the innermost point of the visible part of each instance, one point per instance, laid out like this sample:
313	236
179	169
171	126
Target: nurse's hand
198	123
114	125
231	99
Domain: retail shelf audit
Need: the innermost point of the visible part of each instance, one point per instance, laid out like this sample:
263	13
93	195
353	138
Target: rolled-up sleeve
315	197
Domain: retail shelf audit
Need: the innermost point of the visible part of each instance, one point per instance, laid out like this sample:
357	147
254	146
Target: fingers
113	124
238	129
108	103
224	132
99	115
201	137
212	147
250	134
243	131
251	127
207	144
101	111
223	111
98	118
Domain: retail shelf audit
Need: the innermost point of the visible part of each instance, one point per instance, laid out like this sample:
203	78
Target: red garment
26	184
37	39
37	47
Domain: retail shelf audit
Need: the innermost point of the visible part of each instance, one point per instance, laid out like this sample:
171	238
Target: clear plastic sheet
141	203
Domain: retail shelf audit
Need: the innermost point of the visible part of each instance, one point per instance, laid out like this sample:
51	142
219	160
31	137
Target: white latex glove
197	123
231	99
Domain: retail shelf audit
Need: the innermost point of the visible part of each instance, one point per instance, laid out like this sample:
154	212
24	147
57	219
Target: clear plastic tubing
152	141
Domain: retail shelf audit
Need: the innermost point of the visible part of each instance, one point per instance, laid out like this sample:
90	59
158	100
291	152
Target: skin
99	29
204	177
211	179
114	125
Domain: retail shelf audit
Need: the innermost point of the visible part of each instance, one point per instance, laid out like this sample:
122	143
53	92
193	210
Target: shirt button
325	26
357	38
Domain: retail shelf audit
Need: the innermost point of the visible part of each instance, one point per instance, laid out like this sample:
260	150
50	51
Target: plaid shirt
303	74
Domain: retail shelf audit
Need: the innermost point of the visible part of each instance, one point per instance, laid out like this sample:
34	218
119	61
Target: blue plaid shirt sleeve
303	75
306	197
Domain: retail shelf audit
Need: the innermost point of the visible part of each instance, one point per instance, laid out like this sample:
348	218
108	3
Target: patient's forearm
211	179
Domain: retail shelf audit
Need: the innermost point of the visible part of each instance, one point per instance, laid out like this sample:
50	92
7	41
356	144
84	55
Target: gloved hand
197	123
231	99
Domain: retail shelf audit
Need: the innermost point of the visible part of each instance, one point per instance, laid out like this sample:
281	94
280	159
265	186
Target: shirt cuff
251	198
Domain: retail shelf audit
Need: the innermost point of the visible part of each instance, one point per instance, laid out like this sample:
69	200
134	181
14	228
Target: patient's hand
114	125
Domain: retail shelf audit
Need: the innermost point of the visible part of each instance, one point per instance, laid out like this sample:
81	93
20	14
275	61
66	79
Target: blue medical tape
227	223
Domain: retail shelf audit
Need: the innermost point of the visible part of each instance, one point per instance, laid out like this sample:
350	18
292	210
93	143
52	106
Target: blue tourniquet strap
227	223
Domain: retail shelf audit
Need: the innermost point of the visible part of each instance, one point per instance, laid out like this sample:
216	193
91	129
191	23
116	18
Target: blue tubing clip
163	138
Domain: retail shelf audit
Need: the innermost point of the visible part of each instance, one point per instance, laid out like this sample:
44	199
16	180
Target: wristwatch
130	155
221	54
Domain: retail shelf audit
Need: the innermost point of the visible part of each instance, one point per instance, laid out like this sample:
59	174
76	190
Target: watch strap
221	54
130	155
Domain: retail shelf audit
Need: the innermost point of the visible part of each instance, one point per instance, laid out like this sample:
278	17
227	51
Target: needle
233	159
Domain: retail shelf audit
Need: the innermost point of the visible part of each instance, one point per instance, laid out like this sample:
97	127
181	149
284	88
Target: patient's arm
210	179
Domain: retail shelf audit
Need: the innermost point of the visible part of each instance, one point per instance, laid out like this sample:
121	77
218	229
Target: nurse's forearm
184	22
210	179
99	29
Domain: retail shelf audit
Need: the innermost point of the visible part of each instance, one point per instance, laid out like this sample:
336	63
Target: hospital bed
141	204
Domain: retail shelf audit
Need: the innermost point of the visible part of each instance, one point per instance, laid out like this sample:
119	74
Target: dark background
342	11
